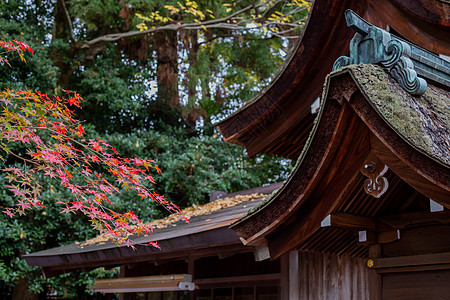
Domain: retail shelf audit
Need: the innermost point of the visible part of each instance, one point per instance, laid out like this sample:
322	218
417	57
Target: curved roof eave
206	233
312	47
350	127
283	105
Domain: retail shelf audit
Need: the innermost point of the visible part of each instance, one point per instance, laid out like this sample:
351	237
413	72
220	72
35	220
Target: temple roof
207	232
365	116
422	121
279	119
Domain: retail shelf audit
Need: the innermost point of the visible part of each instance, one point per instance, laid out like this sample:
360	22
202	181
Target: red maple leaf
80	130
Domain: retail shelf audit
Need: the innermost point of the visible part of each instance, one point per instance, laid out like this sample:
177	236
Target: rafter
402	221
353	222
372	238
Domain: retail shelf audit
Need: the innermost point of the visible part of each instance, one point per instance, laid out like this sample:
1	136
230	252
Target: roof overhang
351	128
279	119
209	243
205	235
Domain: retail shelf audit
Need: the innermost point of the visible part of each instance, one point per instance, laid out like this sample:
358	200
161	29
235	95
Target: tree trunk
20	291
62	30
165	45
167	70
192	112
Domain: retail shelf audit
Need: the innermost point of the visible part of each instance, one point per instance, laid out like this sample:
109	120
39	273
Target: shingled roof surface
207	230
423	121
195	214
219	213
279	118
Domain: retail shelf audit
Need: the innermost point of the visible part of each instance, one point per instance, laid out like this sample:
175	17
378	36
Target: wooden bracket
353	222
367	237
421	262
384	237
376	184
261	253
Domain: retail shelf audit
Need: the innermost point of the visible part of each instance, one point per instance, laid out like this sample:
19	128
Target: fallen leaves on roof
190	212
199	210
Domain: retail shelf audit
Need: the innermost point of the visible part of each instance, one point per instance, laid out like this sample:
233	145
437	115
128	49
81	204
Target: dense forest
155	77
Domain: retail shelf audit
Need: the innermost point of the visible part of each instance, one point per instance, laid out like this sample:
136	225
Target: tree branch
221	23
68	20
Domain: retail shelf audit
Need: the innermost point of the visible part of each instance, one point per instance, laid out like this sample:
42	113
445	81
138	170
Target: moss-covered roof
190	212
423	121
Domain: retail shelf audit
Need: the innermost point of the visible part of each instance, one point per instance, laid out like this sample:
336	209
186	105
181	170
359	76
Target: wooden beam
388	236
411	260
370	238
290	281
122	275
203	282
191	271
402	221
388	223
367	237
353	222
144	284
384	226
413	269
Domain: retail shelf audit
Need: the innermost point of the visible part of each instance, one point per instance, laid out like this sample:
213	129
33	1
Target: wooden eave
349	129
205	235
431	11
267	123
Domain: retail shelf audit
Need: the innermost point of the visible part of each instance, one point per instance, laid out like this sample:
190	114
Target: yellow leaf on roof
189	212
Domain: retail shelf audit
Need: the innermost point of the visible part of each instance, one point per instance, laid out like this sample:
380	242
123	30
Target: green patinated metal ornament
404	61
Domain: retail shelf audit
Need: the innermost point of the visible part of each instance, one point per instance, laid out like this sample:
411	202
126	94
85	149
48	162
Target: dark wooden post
375	283
122	275
191	271
294	284
289	281
284	277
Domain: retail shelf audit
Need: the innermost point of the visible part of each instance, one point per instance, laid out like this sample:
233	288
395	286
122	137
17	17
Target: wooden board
331	277
422	240
429	285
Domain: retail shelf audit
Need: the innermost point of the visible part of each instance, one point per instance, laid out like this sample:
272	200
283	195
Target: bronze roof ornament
404	61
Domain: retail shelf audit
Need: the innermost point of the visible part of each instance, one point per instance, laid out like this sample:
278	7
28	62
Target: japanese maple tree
53	138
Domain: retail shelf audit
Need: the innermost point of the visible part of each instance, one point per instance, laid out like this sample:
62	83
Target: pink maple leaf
50	172
128	243
77	205
9	212
74	189
24	205
153	244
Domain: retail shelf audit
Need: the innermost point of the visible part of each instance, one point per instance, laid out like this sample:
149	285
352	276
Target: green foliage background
215	78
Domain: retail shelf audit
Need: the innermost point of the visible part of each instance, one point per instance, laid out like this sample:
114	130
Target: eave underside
206	234
328	177
205	244
283	109
400	198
